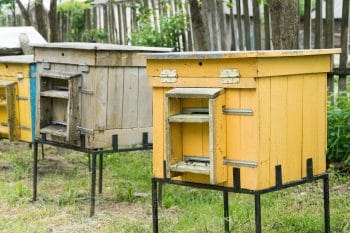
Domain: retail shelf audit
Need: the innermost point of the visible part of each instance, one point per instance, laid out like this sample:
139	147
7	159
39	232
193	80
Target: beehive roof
23	59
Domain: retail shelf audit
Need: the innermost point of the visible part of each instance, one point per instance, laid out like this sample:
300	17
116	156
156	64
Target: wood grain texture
144	100
115	97
130	97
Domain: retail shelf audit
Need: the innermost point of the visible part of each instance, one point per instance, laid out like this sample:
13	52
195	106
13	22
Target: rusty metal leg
226	212
327	225
93	184
100	174
257	213
154	206
42	151
35	169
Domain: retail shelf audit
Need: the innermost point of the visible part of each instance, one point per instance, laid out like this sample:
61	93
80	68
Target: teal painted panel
33	75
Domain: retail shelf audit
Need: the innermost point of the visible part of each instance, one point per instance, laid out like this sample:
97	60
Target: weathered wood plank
318	25
144	100
66	56
99	104
239	24
233	33
130	98
257	30
115	98
307	24
267	27
247	25
344	43
329	23
222	24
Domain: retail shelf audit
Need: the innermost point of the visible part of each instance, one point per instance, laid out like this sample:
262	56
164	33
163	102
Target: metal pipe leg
226	213
160	194
154	206
89	161
100	174
93	185
327	225
257	213
35	169
42	151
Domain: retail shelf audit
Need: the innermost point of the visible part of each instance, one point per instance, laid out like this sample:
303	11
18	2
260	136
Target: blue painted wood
33	75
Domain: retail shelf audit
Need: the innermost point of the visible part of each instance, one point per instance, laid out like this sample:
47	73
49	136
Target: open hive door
58	105
9	124
195	133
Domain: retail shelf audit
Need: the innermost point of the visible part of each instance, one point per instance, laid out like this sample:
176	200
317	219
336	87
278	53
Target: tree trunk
53	21
199	30
25	13
284	23
40	18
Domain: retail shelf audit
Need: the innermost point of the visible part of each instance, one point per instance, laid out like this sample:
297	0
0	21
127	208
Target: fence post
247	25
307	24
344	43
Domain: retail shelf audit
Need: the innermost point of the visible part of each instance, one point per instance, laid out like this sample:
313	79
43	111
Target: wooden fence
242	25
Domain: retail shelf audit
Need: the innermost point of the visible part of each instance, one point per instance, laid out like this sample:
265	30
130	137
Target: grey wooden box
113	92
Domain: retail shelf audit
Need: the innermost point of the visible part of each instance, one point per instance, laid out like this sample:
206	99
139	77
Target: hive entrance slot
195	111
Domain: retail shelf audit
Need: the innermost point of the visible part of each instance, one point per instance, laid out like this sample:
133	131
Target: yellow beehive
215	111
17	97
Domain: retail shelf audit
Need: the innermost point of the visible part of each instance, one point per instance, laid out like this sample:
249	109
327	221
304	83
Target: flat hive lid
4	83
187	92
22	59
100	46
9	39
241	54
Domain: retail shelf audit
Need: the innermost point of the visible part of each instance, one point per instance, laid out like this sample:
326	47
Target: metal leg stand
100	174
160	194
155	206
35	170
42	151
327	226
226	213
89	161
257	213
93	185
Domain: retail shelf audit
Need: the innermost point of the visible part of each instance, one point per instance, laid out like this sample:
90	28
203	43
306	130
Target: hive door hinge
229	76
168	76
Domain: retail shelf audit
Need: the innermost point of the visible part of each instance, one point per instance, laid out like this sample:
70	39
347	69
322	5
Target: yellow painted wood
288	124
158	132
9	72
310	121
294	112
264	131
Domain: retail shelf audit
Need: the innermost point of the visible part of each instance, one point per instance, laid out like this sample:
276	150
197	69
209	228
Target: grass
125	206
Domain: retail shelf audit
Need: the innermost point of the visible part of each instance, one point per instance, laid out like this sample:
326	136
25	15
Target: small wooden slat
59	75
222	24
189	118
247	25
344	43
55	94
307	24
257	32
267	27
196	168
194	92
99	104
329	23
130	98
215	29
233	33
56	130
144	100
239	24
318	26
115	97
12	112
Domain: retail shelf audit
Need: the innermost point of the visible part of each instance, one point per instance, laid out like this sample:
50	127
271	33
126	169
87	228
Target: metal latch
168	76
85	130
229	76
237	111
20	76
83	67
86	91
46	65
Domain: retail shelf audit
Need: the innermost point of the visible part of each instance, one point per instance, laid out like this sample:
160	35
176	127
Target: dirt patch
54	165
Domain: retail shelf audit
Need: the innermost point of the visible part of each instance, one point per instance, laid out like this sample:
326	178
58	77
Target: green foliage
171	28
7	4
94	35
339	130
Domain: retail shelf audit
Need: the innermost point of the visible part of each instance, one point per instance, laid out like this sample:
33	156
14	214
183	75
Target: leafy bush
339	130
171	28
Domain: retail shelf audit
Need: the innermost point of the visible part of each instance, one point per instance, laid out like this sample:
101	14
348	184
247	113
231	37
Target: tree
284	23
25	12
199	29
40	18
53	21
11	5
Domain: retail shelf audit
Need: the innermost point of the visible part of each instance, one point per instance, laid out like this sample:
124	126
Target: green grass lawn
125	205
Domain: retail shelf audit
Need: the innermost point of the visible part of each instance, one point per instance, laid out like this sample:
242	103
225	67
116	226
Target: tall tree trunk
40	18
199	30
53	21
25	13
284	23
